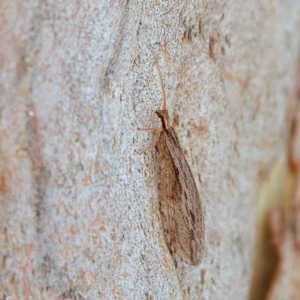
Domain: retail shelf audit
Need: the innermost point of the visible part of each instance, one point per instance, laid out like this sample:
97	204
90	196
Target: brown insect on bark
181	210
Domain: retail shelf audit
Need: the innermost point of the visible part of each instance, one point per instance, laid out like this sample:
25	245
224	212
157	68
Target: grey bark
79	214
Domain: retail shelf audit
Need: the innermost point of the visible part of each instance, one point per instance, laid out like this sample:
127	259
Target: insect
180	206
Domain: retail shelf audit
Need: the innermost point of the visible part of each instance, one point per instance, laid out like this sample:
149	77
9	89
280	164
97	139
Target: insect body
181	210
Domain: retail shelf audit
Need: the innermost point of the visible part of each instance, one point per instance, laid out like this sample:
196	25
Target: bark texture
79	212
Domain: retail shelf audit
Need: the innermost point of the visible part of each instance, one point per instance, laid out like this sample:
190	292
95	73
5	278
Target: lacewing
180	205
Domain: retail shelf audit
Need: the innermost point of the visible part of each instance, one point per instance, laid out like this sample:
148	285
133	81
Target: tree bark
79	205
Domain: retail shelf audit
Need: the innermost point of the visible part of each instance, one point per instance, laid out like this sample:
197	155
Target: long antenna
160	77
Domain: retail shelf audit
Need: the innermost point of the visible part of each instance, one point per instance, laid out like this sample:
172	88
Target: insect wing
182	214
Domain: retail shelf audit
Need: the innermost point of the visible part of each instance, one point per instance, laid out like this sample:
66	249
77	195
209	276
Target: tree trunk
79	214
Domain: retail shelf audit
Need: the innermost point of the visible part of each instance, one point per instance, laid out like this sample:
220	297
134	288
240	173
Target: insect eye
159	113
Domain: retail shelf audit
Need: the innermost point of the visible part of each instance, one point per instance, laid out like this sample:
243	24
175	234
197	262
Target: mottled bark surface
79	215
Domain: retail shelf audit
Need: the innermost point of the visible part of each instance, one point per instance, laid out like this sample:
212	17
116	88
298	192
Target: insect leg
154	130
147	129
149	147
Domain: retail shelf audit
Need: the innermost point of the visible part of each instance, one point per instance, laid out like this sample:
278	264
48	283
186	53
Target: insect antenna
160	77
